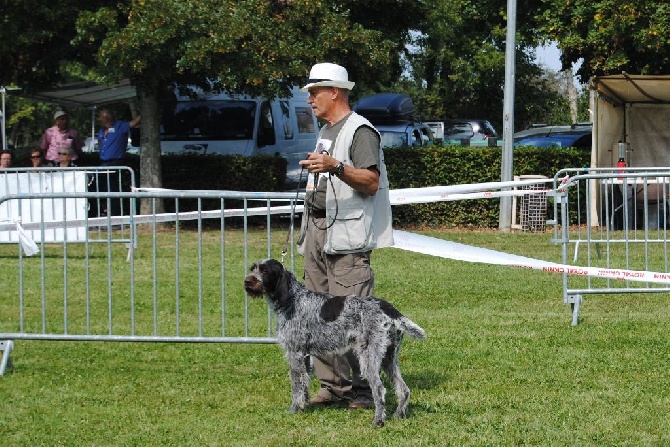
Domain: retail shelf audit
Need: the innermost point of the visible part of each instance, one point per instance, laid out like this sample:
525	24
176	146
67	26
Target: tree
396	22
255	47
610	35
458	67
35	40
35	45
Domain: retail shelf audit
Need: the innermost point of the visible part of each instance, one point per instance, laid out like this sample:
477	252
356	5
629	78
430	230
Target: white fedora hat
328	75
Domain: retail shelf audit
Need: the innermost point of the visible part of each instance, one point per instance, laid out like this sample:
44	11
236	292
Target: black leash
290	230
306	209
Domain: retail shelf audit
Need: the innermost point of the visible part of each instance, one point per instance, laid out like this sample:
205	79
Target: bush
407	168
452	165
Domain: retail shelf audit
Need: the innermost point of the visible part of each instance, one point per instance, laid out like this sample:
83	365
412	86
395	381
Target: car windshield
558	140
211	120
393	139
488	129
458	131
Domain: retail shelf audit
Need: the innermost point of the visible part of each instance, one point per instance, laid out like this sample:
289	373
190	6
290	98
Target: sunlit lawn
501	366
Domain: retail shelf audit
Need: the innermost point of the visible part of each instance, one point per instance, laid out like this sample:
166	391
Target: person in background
113	137
113	144
37	158
58	136
65	155
348	214
5	159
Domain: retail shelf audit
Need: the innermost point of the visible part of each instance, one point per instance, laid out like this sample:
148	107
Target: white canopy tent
77	94
84	94
631	109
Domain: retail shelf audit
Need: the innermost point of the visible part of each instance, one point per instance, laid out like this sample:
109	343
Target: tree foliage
458	66
255	47
611	36
448	55
36	40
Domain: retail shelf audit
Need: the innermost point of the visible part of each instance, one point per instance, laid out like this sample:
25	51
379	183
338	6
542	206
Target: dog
312	323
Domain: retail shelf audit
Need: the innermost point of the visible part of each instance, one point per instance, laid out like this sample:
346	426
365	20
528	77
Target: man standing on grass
348	213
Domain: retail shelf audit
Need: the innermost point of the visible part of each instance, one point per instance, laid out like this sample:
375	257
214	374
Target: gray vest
362	222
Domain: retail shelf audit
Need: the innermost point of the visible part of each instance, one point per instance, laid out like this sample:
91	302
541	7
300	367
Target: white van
234	124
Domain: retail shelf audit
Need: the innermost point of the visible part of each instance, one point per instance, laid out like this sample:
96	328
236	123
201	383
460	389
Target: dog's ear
271	271
282	292
280	280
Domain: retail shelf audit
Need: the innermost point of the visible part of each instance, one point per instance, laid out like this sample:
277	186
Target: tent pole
92	148
4	134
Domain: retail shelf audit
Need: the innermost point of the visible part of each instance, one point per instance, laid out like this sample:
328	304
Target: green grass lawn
501	366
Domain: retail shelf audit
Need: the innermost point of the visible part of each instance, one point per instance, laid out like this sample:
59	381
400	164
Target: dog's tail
411	328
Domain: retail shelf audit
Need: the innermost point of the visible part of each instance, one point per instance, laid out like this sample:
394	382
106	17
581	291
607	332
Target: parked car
477	130
393	115
408	133
471	132
229	124
542	135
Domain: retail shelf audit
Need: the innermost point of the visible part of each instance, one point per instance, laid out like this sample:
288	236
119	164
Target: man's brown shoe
361	404
320	401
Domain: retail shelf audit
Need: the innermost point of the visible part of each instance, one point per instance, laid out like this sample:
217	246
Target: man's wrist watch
339	169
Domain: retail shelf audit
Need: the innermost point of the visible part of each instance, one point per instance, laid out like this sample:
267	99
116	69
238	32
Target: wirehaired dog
311	323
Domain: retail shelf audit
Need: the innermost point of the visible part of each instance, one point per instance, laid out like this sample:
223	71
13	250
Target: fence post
6	347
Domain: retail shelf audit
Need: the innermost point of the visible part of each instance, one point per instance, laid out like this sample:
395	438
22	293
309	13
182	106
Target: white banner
44	209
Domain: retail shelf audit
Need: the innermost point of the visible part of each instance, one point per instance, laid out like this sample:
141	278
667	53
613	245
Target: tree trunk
572	94
150	154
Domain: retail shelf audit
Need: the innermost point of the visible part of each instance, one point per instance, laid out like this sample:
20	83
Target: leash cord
291	226
306	210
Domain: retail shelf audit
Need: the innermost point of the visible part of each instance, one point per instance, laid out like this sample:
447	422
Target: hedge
452	165
407	168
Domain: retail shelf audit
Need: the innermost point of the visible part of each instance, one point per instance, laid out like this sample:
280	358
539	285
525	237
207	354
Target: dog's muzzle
253	286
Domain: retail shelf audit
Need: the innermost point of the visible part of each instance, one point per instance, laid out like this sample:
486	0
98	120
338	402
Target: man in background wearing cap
60	136
348	213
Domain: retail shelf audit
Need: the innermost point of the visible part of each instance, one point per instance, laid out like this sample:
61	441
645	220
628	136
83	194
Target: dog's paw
378	422
400	414
294	409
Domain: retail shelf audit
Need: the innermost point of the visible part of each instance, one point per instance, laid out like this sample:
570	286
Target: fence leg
6	347
574	301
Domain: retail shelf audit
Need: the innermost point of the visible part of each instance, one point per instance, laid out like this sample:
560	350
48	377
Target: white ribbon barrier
27	243
149	218
403	240
399	196
464	191
452	250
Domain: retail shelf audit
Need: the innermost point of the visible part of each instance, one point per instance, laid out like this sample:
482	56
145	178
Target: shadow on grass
415	408
425	380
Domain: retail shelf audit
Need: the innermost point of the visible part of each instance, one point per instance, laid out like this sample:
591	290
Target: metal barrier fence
30	198
178	281
612	220
179	277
